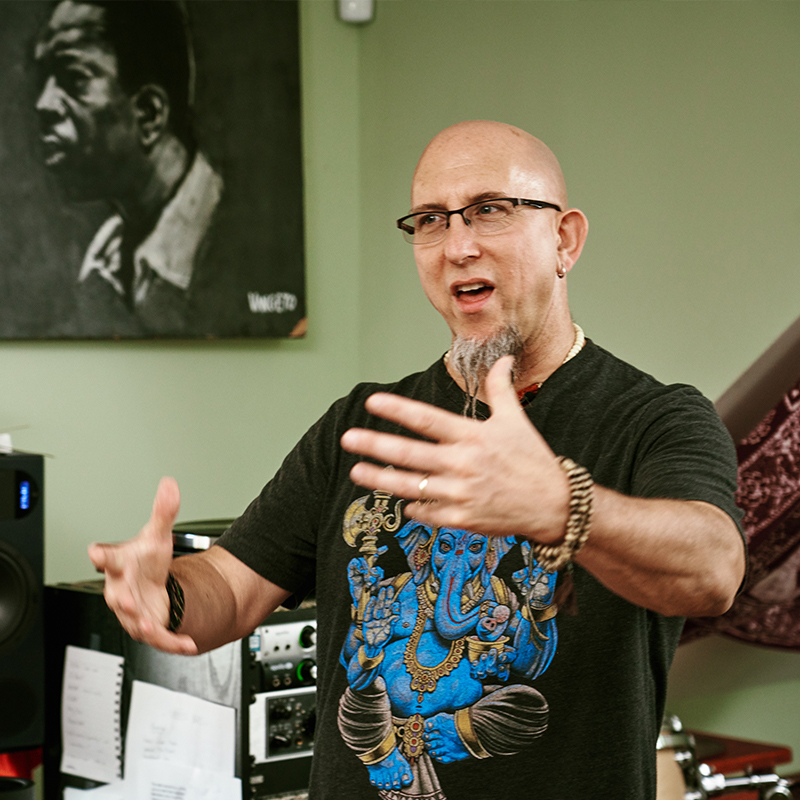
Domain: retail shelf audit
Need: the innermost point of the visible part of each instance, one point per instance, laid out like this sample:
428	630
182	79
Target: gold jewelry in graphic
424	679
467	734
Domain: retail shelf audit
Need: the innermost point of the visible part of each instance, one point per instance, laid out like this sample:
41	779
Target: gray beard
473	358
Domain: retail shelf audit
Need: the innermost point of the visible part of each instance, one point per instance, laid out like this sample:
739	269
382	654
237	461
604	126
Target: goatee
473	358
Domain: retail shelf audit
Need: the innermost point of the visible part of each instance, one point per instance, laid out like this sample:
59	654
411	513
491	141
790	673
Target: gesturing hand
497	477
136	574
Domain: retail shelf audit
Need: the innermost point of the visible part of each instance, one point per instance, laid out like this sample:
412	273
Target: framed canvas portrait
151	167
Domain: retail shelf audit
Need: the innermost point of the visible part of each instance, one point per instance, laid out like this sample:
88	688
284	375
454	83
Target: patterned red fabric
767	612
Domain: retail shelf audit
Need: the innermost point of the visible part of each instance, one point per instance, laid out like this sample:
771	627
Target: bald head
484	282
509	160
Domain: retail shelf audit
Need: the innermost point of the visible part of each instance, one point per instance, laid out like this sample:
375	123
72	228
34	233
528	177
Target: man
115	118
489	623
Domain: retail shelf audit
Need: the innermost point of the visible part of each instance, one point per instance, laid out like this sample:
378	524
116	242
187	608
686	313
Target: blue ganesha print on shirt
440	660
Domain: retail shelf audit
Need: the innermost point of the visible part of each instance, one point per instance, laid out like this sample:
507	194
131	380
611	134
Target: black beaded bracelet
177	602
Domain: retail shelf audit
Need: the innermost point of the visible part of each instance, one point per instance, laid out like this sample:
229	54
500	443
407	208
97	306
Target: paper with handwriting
90	715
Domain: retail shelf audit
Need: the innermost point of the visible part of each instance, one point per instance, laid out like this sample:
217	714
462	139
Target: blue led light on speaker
24	495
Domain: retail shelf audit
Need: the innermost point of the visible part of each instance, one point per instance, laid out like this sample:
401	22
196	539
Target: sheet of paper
171	726
111	791
90	715
159	780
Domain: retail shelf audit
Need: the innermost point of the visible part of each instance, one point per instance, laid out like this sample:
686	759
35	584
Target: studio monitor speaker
21	591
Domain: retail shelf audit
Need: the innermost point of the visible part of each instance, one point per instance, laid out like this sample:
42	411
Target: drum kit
683	776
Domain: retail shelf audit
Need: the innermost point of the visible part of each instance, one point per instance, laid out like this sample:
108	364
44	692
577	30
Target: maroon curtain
767	612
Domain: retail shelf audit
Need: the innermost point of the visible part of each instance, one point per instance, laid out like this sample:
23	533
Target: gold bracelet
552	557
467	734
380	751
368	662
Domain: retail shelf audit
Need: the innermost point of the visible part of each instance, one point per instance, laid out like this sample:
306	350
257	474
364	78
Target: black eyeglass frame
515	201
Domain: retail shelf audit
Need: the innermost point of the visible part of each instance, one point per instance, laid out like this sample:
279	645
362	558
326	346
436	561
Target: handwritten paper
90	715
158	780
185	731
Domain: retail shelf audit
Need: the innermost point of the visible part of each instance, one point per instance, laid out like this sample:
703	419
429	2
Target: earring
560	271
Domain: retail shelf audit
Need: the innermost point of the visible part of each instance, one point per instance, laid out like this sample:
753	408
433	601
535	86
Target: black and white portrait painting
150	169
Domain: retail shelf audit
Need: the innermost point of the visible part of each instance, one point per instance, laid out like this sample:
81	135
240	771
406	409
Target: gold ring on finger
422	486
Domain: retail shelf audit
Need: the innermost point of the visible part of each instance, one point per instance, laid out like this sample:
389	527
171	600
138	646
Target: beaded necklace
577	346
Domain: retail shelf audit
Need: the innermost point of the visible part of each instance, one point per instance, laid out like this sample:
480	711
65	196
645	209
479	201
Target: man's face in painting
87	122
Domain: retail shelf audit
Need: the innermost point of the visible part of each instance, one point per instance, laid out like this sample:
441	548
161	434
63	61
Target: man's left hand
497	476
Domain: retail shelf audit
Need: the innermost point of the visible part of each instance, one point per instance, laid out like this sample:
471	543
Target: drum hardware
770	786
700	782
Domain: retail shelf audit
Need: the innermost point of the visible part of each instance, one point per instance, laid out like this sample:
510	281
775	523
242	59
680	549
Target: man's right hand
136	575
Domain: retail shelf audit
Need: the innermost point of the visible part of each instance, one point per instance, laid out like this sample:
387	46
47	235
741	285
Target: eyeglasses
486	217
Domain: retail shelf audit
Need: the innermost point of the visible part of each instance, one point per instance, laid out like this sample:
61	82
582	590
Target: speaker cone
19	596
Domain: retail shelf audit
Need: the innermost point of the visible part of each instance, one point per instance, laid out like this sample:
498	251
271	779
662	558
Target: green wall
677	125
677	128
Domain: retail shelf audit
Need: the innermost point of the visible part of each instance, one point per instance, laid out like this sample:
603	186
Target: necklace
424	679
577	346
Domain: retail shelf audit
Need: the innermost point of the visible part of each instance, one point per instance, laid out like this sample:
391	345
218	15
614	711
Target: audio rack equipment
269	678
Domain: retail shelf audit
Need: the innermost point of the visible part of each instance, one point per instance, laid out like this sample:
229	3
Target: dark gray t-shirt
456	635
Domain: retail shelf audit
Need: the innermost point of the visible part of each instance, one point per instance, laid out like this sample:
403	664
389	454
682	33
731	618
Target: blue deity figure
433	654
